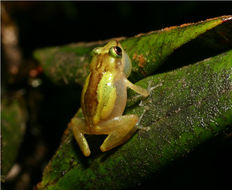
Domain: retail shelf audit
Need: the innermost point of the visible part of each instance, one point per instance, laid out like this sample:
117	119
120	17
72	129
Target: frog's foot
122	128
78	125
138	126
143	128
151	88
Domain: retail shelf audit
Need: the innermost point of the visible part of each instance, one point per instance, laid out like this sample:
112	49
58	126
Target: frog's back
98	97
104	92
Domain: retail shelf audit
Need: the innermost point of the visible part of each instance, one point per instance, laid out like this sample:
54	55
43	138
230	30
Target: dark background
42	24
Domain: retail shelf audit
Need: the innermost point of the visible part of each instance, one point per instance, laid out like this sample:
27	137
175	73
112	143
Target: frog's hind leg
78	125
120	129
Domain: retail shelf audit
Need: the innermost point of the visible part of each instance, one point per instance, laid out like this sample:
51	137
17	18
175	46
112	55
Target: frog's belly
120	102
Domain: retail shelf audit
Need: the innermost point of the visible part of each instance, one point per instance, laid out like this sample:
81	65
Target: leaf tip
229	18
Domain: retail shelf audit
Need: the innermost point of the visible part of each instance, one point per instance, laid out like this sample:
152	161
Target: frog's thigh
78	125
122	128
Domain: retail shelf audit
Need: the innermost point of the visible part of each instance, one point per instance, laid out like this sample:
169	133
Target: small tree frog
104	97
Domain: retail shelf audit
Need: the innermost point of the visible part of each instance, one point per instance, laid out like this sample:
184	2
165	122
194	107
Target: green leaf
69	64
189	106
13	123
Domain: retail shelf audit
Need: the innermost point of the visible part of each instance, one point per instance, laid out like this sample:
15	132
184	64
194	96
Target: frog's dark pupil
118	50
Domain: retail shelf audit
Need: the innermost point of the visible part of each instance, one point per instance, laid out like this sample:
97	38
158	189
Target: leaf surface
69	64
13	123
189	106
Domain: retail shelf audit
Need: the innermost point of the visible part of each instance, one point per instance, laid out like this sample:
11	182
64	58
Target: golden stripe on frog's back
89	99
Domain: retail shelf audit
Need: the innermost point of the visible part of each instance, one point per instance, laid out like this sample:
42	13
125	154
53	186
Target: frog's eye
116	51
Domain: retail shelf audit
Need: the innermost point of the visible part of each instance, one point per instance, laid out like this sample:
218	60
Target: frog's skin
104	97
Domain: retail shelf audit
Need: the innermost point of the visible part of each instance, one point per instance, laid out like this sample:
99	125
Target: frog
104	97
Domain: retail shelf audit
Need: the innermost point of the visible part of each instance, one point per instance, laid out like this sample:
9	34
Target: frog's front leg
78	127
119	130
136	88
